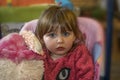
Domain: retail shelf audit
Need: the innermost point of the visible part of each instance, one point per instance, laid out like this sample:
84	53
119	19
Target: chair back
93	32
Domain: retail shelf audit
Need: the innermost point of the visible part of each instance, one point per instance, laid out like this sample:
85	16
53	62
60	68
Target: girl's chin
60	52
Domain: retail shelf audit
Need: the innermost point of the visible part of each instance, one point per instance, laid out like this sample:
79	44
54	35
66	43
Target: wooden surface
116	24
115	59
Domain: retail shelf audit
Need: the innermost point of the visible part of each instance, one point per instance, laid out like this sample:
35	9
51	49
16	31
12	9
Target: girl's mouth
60	48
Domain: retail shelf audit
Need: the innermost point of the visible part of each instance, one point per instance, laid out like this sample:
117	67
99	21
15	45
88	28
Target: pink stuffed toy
19	58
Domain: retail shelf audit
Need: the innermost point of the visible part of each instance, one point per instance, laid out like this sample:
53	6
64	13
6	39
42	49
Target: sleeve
84	65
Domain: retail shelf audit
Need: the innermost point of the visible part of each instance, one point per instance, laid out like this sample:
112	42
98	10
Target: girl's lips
60	48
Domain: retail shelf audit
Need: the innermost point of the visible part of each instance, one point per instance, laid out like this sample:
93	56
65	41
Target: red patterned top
77	65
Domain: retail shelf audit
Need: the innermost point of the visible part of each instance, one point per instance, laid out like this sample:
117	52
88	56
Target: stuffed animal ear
32	42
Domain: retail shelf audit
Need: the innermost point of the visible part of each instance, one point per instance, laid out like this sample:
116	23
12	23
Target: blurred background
14	13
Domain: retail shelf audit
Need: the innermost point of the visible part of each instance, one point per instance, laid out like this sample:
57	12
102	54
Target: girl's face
59	43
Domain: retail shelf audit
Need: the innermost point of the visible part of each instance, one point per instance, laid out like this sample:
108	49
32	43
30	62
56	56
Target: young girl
67	58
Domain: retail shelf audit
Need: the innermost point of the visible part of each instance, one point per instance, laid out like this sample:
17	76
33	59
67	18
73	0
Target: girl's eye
66	34
52	35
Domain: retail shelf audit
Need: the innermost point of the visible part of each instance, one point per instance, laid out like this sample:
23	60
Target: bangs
64	26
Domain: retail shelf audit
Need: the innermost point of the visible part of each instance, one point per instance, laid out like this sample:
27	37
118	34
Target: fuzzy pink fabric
13	47
78	61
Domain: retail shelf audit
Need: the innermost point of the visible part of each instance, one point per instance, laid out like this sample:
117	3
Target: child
67	58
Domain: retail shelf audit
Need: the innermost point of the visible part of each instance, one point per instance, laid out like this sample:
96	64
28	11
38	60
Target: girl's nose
60	40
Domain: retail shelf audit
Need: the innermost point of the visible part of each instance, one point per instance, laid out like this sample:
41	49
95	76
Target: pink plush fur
17	62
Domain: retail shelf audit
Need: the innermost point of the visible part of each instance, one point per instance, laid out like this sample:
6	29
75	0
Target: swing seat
93	32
